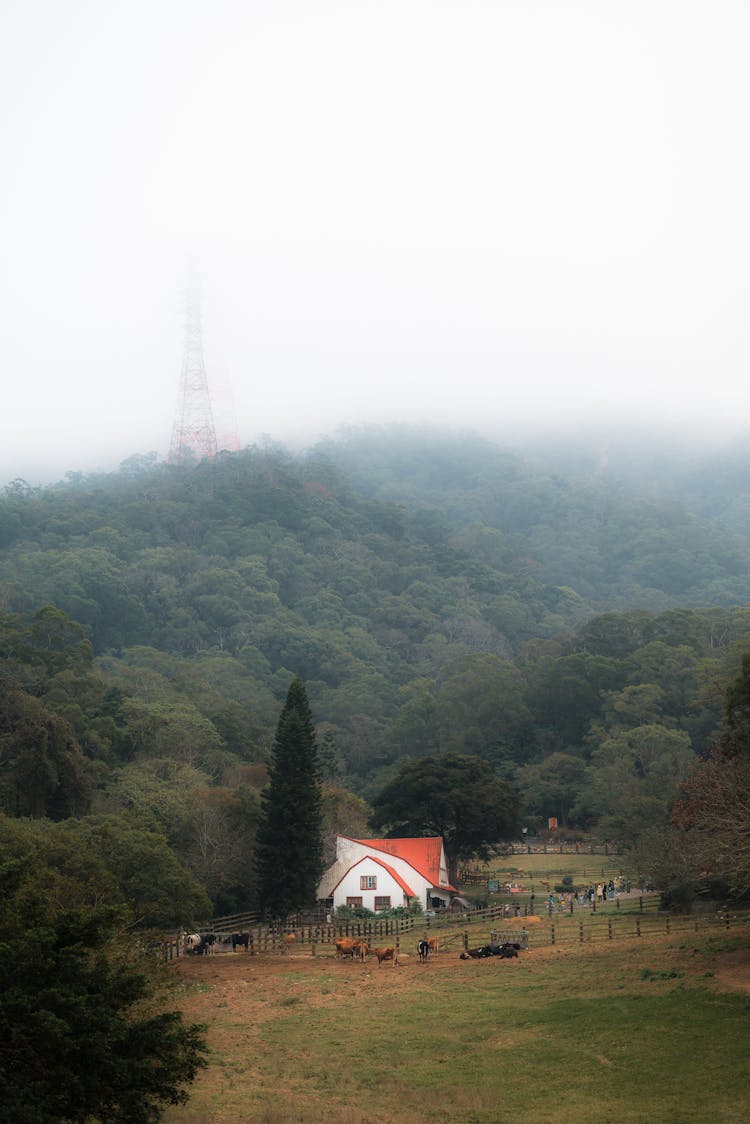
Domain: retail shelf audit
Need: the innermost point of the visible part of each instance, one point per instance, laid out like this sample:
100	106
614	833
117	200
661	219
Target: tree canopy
77	1042
437	595
454	795
710	844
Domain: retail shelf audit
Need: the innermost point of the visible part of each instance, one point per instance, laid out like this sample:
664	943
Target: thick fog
523	217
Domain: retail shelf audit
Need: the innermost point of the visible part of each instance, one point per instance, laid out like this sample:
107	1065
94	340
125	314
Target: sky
509	215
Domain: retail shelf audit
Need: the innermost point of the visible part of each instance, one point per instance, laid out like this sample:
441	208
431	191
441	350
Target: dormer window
368	882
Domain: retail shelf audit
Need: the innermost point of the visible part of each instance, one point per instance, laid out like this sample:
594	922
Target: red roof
393	873
422	854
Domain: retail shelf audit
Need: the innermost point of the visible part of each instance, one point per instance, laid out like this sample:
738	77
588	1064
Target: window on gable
368	882
382	903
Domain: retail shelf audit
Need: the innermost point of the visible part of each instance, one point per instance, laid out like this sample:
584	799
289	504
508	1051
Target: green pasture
622	1031
534	870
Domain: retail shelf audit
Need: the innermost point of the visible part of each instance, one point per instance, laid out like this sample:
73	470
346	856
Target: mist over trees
436	594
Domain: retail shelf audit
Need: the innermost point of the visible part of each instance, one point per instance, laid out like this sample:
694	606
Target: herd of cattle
202	944
505	951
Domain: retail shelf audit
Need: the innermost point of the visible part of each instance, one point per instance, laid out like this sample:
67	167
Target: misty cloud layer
520	217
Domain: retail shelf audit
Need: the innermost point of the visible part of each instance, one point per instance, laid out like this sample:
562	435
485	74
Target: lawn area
650	1030
536	869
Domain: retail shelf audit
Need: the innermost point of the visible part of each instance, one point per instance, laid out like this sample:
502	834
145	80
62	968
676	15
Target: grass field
583	868
651	1029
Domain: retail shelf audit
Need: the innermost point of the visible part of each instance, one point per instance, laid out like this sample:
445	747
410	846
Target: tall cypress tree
289	842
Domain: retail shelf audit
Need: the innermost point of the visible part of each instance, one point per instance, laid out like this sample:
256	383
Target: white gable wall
385	886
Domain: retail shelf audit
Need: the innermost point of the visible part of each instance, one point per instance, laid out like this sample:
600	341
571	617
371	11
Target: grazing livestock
192	940
423	948
345	946
240	939
477	953
434	943
362	950
206	947
289	938
386	954
504	951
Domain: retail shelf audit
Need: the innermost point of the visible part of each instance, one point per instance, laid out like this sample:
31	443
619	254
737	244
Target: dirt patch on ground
732	970
239	969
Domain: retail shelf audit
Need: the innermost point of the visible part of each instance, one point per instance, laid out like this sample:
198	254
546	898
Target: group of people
596	894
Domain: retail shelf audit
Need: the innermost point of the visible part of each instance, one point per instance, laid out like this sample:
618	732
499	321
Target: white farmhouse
385	873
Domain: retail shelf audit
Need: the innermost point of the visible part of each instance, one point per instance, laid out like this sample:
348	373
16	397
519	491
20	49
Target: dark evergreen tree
289	844
81	1040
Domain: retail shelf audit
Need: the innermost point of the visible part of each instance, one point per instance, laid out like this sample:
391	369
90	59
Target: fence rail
583	927
611	927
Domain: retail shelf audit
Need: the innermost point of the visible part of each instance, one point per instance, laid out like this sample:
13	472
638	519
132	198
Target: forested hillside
629	525
434	594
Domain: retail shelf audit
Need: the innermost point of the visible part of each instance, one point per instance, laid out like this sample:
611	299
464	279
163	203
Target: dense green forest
436	594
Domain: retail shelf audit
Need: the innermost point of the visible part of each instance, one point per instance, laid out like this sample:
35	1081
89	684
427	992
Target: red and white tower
193	431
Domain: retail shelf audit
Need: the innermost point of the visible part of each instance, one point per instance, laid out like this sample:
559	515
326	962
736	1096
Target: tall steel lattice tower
193	431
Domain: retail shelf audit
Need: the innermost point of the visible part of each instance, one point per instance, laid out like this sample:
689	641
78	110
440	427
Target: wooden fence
627	926
280	939
638	917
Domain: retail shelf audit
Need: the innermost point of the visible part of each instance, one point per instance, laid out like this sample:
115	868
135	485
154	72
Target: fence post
640	904
609	929
466	941
553	934
580	931
638	926
667	926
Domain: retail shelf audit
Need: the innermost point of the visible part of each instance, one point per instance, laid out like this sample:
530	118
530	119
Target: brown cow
345	946
386	954
362	949
289	940
434	943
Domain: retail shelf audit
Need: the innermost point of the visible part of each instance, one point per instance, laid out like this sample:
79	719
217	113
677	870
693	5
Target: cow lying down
504	951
